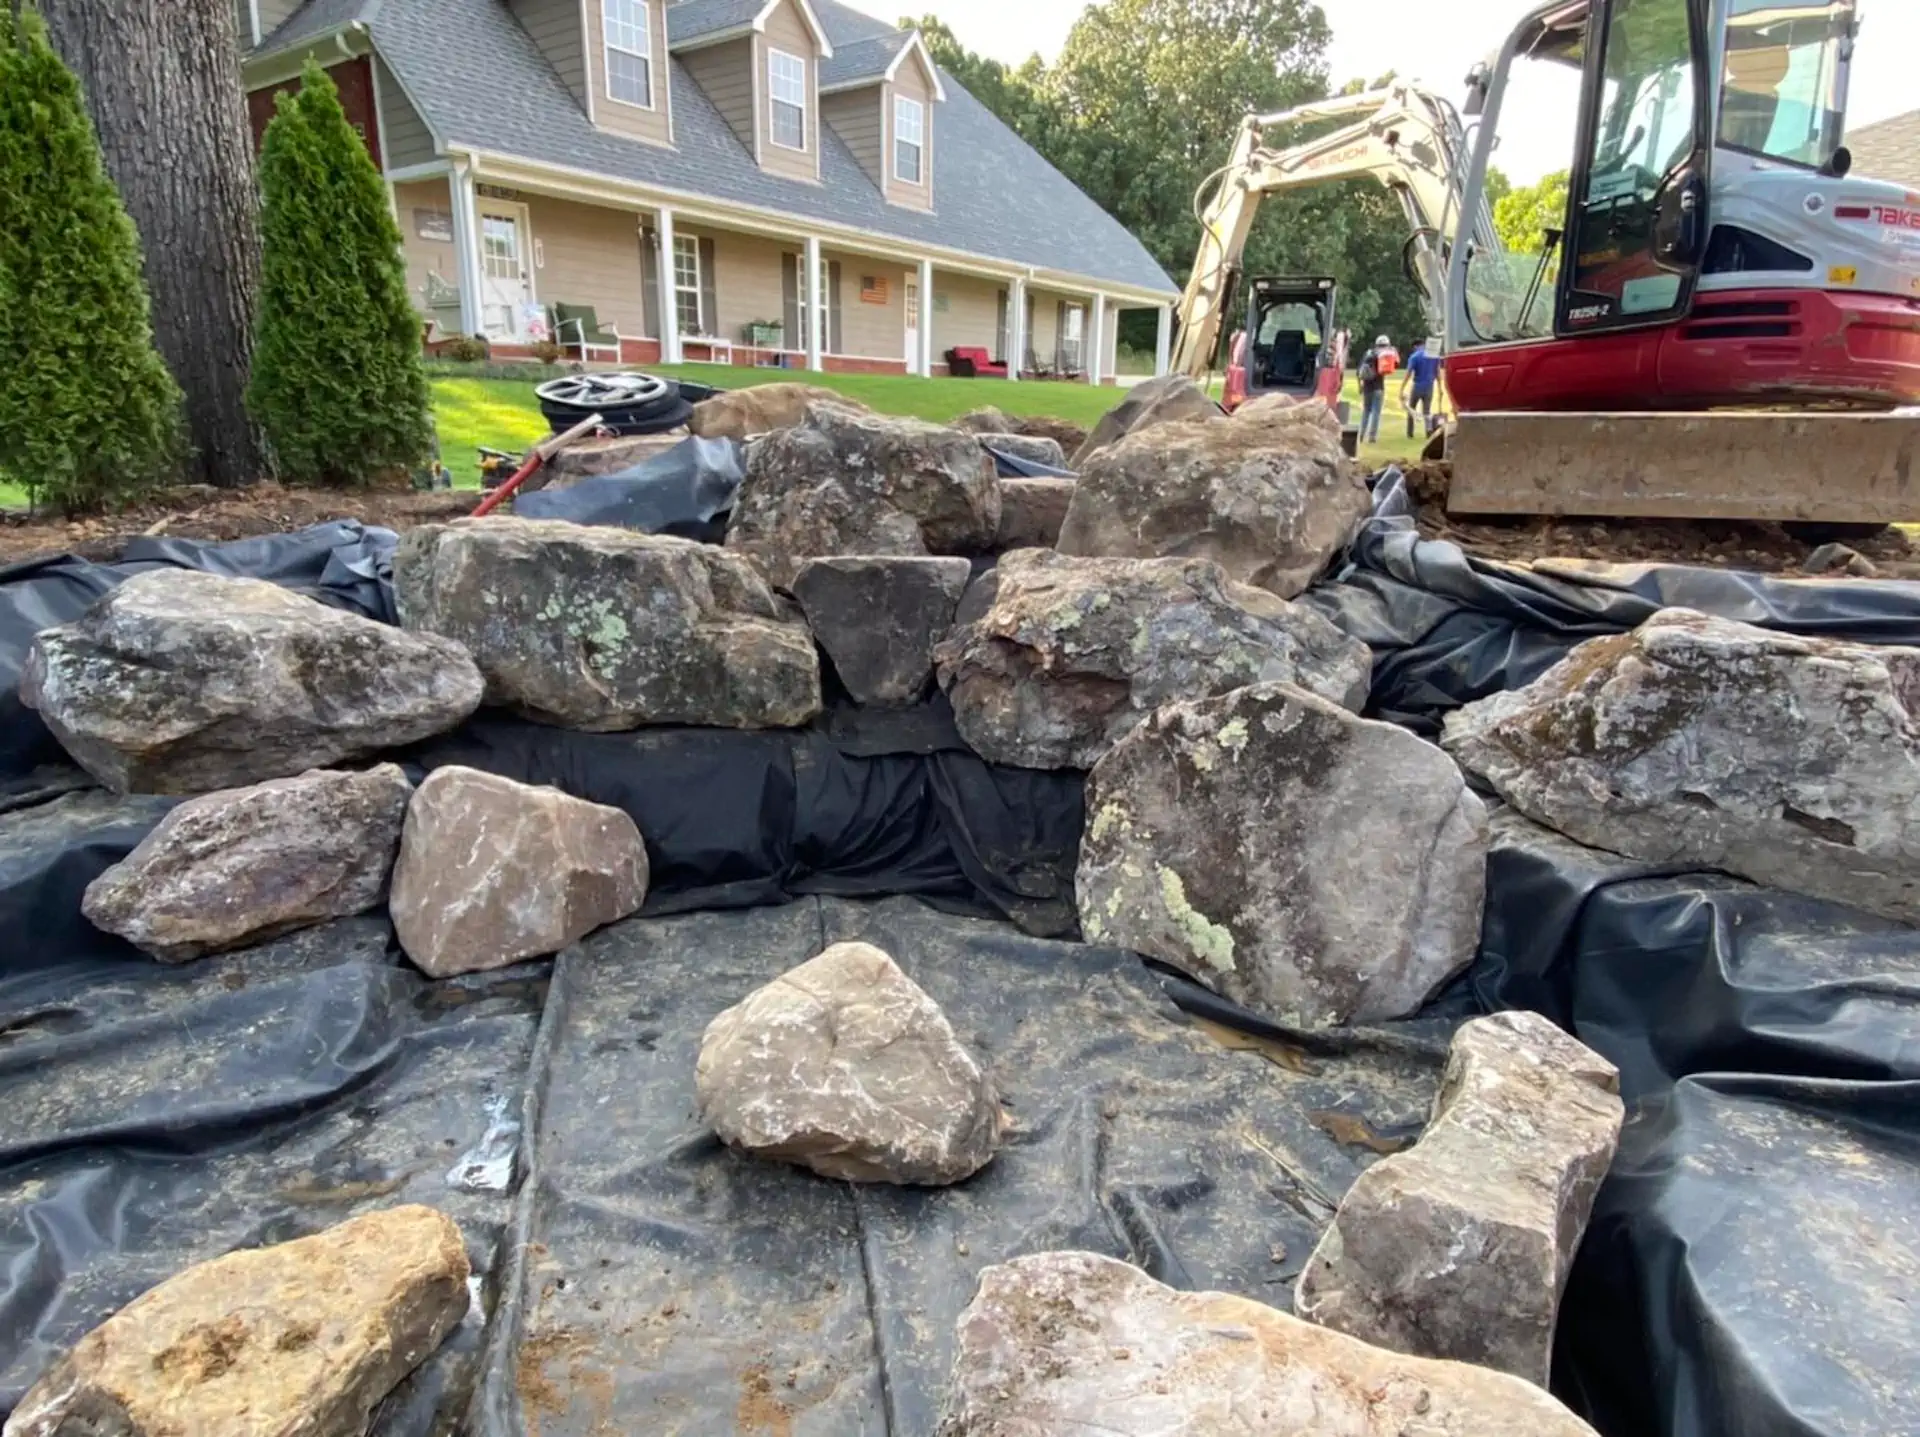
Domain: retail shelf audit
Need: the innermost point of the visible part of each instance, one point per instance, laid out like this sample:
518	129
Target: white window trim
699	290
773	98
919	145
607	47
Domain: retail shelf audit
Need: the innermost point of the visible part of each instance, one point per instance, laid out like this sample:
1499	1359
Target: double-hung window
909	140
686	284
624	27
787	96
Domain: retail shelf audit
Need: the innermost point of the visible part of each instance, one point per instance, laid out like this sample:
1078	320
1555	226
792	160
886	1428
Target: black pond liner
1749	1269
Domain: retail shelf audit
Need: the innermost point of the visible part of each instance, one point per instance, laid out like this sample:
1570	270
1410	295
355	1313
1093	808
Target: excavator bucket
1804	467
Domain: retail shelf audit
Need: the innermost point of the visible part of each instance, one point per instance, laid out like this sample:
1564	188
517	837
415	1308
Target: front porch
678	286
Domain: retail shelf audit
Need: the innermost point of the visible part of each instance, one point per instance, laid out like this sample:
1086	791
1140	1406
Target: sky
1436	41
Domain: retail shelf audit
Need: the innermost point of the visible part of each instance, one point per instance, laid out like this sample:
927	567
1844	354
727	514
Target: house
767	182
1889	150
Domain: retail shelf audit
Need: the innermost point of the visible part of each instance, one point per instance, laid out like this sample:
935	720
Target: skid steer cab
1290	344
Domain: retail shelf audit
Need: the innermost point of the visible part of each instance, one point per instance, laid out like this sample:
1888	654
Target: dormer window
787	94
909	139
626	27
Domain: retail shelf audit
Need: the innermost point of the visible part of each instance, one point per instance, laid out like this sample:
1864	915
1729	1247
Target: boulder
878	620
1270	497
985	420
1031	512
1703	742
1074	1342
1317	867
492	871
761	409
238	867
305	1337
1070	654
844	1065
846	483
589	458
602	629
1165	400
183	682
1459	1246
1034	448
1064	432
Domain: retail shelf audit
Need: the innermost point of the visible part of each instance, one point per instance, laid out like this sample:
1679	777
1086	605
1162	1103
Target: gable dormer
612	54
879	95
759	62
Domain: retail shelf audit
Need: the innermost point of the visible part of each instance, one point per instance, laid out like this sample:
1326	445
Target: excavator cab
1289	345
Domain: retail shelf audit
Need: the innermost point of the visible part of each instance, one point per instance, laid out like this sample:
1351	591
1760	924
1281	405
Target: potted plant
765	333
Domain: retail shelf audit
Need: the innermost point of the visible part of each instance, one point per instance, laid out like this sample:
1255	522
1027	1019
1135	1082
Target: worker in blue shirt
1423	377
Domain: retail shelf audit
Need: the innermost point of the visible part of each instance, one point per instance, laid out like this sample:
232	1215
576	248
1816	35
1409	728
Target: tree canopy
1142	106
1523	216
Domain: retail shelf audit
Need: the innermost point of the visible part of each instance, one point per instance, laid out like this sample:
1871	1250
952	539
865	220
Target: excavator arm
1409	140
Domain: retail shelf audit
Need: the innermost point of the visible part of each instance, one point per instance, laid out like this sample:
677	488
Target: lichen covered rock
848	483
1071	653
1267	495
603	629
845	1066
1459	1247
1317	867
184	682
1167	399
244	865
1074	1342
1789	760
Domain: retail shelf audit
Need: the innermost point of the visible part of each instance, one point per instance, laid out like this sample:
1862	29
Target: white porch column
466	246
669	302
1016	327
1094	375
1163	342
816	305
924	358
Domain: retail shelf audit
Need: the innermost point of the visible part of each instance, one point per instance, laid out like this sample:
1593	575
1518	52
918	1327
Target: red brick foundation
842	364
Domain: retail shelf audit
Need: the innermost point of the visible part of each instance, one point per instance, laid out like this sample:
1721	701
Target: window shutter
1027	330
709	296
793	336
833	307
1000	336
650	280
1060	335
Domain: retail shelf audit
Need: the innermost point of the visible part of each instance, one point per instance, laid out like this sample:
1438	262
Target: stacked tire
627	403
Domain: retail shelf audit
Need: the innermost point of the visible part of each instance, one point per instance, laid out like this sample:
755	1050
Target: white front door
506	278
913	326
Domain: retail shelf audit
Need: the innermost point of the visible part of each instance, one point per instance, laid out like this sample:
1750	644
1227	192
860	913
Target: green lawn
1394	446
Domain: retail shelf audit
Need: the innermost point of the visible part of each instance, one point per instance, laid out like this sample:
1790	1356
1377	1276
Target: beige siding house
782	183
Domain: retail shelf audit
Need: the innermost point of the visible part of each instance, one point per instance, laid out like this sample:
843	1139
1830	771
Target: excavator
1727	324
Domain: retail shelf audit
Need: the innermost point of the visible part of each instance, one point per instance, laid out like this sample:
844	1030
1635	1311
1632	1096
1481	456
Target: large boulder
1317	867
847	483
1074	1342
761	409
1459	1247
845	1066
238	867
603	629
1033	448
987	419
1032	512
1169	399
1269	496
305	1337
1792	761
1070	654
879	619
183	682
492	871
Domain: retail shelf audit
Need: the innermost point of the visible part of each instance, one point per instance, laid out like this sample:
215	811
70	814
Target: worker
1374	368
1423	378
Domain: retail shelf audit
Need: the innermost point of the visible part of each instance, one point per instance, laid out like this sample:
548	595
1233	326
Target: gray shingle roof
860	59
479	81
314	19
693	19
1889	150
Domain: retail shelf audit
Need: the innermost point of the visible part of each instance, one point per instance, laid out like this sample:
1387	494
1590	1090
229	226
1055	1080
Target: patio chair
576	326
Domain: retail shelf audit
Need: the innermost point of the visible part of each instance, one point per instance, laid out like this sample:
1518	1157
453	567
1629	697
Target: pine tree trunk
162	80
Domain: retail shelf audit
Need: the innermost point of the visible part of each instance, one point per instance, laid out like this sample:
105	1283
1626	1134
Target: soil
1729	544
199	512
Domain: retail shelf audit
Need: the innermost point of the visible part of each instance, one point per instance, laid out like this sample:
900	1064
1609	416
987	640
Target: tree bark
162	80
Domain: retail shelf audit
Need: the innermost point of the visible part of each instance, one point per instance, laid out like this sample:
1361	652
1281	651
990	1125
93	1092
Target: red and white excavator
1727	325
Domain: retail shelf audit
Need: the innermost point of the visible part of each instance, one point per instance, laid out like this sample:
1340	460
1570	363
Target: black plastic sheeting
686	491
343	563
1753	1259
1446	628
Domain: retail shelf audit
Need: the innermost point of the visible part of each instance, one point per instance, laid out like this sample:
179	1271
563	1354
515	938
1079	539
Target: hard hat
1384	342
